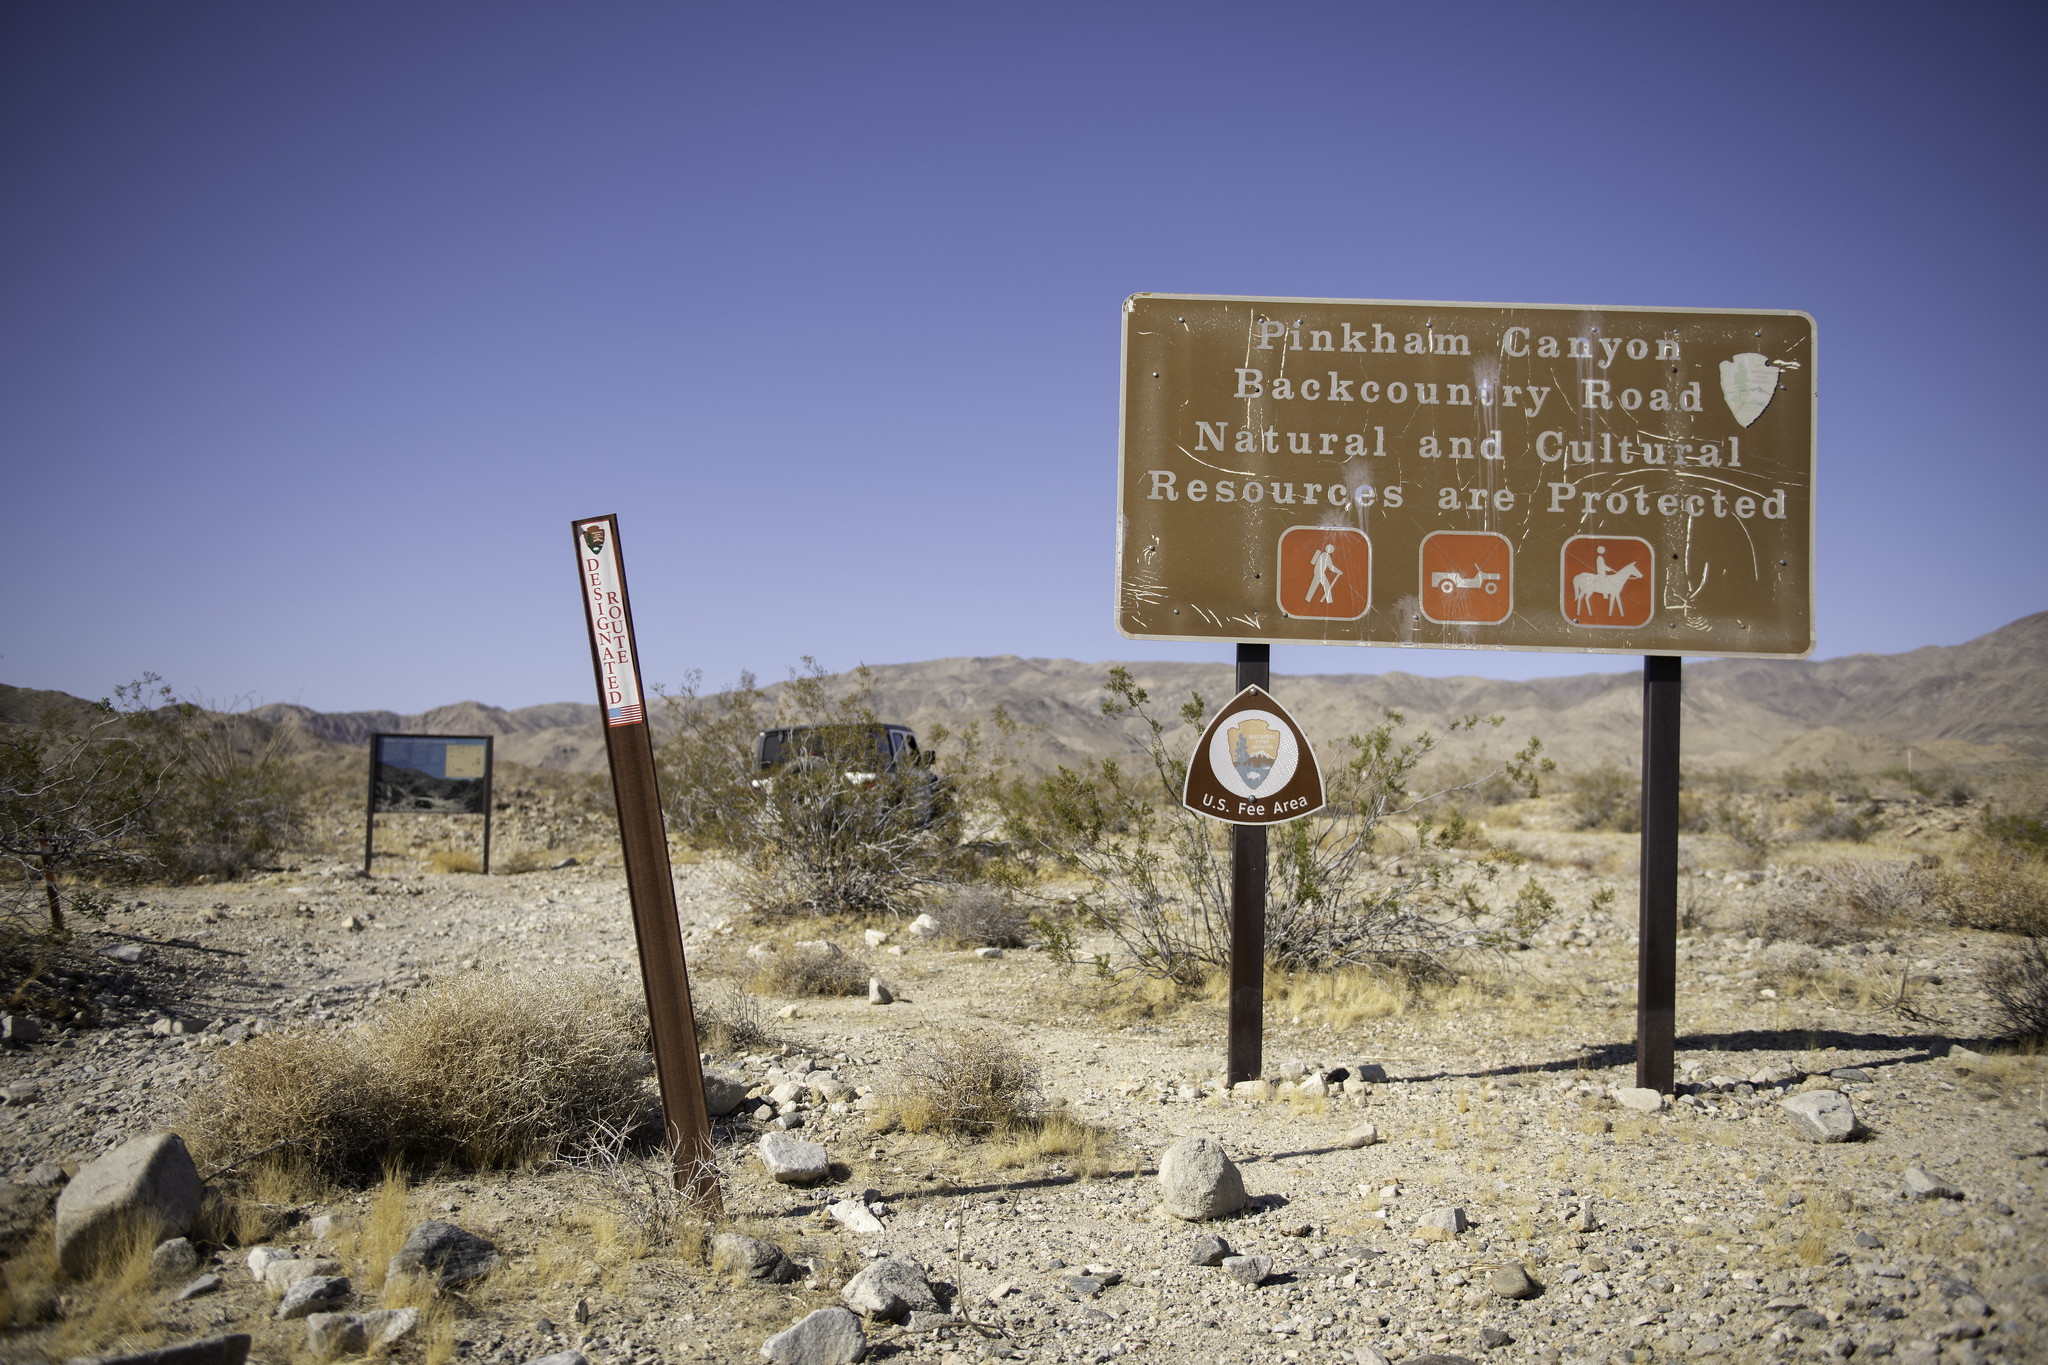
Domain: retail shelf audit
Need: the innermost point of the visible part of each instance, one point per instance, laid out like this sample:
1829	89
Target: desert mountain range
1980	704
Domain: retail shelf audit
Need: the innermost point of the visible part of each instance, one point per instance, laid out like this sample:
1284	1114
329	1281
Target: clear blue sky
319	321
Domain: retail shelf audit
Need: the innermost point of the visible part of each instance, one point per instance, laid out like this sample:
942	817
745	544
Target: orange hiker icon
1325	573
1467	577
1606	581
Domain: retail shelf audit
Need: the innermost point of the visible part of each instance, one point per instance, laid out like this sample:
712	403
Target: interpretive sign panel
1479	476
446	773
1253	765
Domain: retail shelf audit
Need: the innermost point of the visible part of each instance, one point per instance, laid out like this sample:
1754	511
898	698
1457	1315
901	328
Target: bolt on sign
1478	476
1253	765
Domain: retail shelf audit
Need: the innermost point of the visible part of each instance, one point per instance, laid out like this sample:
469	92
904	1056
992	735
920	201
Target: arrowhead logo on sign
1748	382
1253	765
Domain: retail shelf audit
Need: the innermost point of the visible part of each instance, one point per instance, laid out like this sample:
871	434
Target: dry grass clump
477	1072
1999	888
809	970
980	917
972	1083
1843	903
729	1018
1055	1136
455	860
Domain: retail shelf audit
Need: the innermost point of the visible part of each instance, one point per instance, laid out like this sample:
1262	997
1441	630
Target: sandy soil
1715	1232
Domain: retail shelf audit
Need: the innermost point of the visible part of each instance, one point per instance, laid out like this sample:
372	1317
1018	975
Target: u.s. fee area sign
1484	476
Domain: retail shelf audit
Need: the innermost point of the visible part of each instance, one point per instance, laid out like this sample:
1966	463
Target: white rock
260	1260
875	937
792	1161
723	1093
878	994
173	1259
986	953
1198	1180
282	1275
1821	1115
1641	1100
924	926
819	947
890	1287
1921	1185
1441	1224
354	1333
854	1216
828	1336
1364	1135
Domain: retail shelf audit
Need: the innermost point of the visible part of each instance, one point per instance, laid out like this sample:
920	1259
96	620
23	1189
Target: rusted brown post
1657	895
643	841
1246	1055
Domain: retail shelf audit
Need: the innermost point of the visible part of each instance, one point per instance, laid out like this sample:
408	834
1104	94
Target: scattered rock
229	1349
561	1357
204	1284
723	1093
282	1275
1639	1099
878	994
314	1294
1442	1224
1512	1281
1210	1251
890	1287
19	1030
875	938
1492	1338
149	1179
924	926
1868	1240
326	1225
1921	1185
1252	1270
130	953
173	1259
792	1161
751	1258
1199	1181
829	1336
45	1175
854	1216
1854	1075
21	1092
1082	1286
444	1252
329	1334
1821	1116
261	1257
1364	1135
819	947
986	953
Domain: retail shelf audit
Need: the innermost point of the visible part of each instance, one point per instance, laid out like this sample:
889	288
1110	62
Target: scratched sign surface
1476	476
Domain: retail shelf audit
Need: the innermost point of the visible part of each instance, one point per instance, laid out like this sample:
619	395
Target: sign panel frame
1186	573
378	763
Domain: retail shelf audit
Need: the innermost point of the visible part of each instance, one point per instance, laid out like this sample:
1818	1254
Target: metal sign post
643	840
1470	476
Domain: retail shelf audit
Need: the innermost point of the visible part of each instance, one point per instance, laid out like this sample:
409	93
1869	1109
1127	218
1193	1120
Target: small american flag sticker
623	715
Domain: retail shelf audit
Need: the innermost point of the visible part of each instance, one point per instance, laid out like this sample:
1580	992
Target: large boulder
830	1336
229	1349
315	1294
444	1253
1198	1181
1821	1116
147	1184
890	1287
792	1161
331	1334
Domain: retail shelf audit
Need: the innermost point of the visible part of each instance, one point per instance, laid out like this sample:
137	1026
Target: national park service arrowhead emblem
1253	765
1748	383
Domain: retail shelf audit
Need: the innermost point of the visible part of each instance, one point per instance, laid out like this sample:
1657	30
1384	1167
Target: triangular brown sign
1253	765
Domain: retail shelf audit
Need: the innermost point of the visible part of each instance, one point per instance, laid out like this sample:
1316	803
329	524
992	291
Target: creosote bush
2017	983
479	1071
810	970
979	917
970	1083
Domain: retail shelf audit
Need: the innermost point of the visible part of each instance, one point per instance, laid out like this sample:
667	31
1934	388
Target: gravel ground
1714	1232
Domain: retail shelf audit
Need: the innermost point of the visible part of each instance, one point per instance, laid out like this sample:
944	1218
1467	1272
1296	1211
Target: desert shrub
1997	889
814	968
1841	903
2017	831
479	1071
706	765
979	916
1606	796
1751	824
2017	983
236	794
1823	816
729	1018
1161	873
972	1083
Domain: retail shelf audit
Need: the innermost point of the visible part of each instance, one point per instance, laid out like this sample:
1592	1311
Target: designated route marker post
1470	476
644	840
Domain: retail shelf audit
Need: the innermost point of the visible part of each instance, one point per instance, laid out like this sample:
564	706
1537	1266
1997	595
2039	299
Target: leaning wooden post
644	842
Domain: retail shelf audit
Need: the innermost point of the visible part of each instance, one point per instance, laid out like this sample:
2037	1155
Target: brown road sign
1253	765
1321	471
